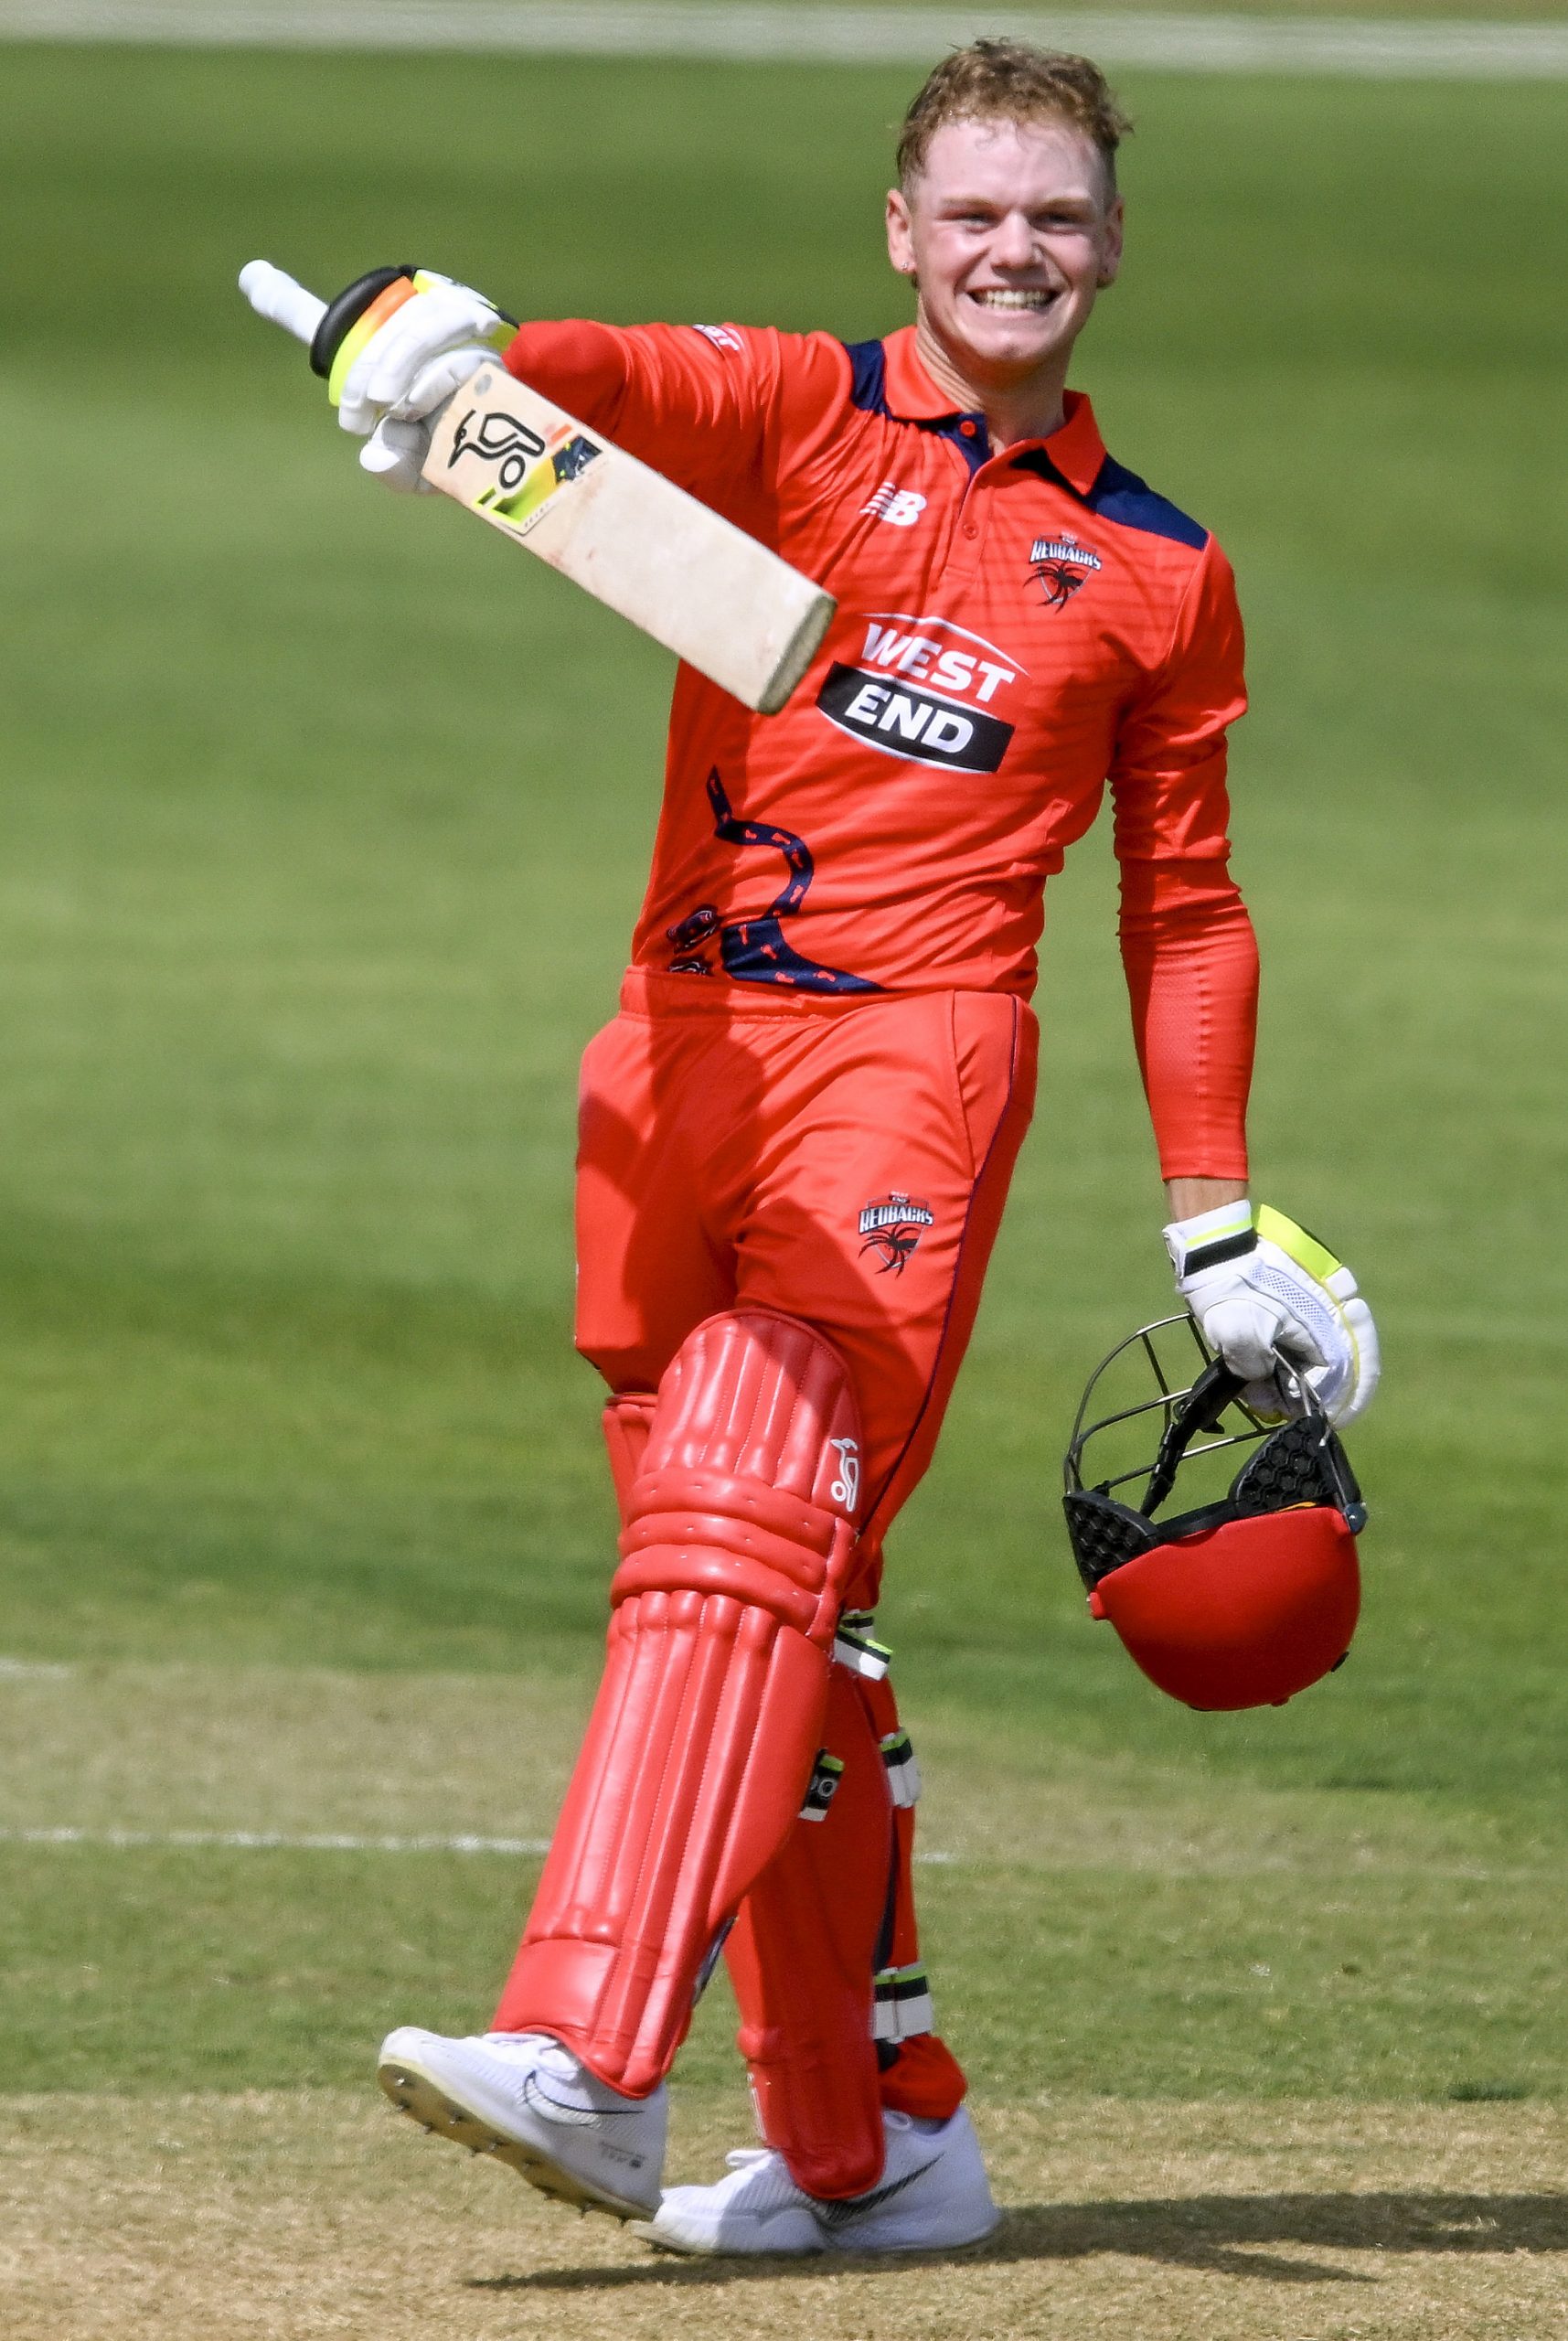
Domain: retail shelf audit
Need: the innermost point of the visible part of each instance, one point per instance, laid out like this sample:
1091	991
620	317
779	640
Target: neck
1031	408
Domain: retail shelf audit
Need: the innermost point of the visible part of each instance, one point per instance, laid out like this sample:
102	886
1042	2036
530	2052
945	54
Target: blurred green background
325	823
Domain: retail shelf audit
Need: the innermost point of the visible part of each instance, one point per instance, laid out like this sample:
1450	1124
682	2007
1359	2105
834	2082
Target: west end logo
922	693
1059	565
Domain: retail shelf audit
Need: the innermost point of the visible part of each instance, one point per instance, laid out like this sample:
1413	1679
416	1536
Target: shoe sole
660	2239
431	2104
679	2248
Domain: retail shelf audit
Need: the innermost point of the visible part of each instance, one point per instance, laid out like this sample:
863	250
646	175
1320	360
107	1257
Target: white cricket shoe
932	2196
523	2098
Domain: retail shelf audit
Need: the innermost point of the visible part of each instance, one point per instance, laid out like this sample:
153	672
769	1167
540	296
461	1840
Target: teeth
995	297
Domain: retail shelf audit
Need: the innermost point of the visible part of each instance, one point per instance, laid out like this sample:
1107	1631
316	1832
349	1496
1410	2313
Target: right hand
425	350
1277	1292
395	454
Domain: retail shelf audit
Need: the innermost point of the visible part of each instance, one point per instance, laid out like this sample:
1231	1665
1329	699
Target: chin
1004	345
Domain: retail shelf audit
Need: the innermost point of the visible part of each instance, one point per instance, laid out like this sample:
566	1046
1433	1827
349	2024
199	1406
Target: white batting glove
395	454
1265	1290
396	450
425	350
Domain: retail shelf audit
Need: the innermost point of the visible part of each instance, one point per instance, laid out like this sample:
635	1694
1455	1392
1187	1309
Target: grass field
325	829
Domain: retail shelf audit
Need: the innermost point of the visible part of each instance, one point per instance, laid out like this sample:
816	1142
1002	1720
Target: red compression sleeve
1187	942
1192	963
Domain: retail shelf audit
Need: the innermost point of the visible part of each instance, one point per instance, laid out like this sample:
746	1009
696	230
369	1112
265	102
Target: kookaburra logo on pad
846	1487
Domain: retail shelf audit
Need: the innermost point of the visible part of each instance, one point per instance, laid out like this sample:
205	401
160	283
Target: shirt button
967	429
970	529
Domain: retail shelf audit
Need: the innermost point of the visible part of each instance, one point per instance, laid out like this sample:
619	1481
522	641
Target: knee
625	1422
749	1483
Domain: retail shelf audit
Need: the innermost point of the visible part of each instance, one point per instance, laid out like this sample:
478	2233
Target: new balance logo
900	507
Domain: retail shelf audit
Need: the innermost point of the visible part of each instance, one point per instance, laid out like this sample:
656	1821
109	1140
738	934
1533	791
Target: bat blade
631	538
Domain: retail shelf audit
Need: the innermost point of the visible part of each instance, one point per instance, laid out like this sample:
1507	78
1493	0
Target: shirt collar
1076	451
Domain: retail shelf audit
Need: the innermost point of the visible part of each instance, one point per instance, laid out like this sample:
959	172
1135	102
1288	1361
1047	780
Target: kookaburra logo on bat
500	439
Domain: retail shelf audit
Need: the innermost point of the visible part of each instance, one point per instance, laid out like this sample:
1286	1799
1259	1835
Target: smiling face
1009	230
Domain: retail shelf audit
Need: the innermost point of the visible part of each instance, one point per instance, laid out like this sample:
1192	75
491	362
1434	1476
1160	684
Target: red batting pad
739	1539
801	1960
627	1420
1244	1614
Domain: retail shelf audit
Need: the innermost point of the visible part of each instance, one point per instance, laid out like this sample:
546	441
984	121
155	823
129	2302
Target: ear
1111	257
900	233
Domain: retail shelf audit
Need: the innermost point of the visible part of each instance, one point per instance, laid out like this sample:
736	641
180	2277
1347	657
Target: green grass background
324	824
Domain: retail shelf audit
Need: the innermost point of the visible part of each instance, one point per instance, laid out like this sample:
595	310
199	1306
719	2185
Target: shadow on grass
1221	2234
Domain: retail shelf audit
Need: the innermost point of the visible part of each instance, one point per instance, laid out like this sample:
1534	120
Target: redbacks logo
924	691
892	1227
1059	565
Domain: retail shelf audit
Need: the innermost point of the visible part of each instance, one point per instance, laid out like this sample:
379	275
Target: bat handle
321	326
280	301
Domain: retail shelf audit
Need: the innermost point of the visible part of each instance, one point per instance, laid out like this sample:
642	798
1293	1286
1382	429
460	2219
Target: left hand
1264	1292
425	350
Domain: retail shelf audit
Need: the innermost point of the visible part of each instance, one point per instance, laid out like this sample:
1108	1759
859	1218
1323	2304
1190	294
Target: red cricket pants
844	1160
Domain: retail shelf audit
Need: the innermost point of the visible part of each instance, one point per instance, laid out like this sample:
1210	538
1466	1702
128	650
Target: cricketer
798	1132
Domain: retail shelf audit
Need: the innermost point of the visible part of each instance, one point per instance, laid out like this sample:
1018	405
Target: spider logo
895	1245
891	1228
1057	581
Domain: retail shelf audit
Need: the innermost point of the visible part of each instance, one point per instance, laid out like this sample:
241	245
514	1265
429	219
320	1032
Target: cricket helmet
1238	1603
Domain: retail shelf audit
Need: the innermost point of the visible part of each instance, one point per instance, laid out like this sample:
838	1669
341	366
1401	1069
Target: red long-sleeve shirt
1013	631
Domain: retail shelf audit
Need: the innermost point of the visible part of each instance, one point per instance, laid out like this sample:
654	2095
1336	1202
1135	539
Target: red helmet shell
1244	1615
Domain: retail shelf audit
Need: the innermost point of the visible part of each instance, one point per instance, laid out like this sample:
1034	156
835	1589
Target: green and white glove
1261	1289
426	349
397	386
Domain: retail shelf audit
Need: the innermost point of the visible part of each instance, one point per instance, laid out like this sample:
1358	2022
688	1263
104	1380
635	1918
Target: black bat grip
345	311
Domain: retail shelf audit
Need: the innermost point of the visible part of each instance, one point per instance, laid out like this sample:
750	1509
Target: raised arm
724	411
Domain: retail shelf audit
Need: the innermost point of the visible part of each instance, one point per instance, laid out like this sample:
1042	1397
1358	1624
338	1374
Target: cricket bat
632	539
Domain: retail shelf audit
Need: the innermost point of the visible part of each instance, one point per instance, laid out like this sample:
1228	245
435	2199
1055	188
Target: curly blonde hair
1011	80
